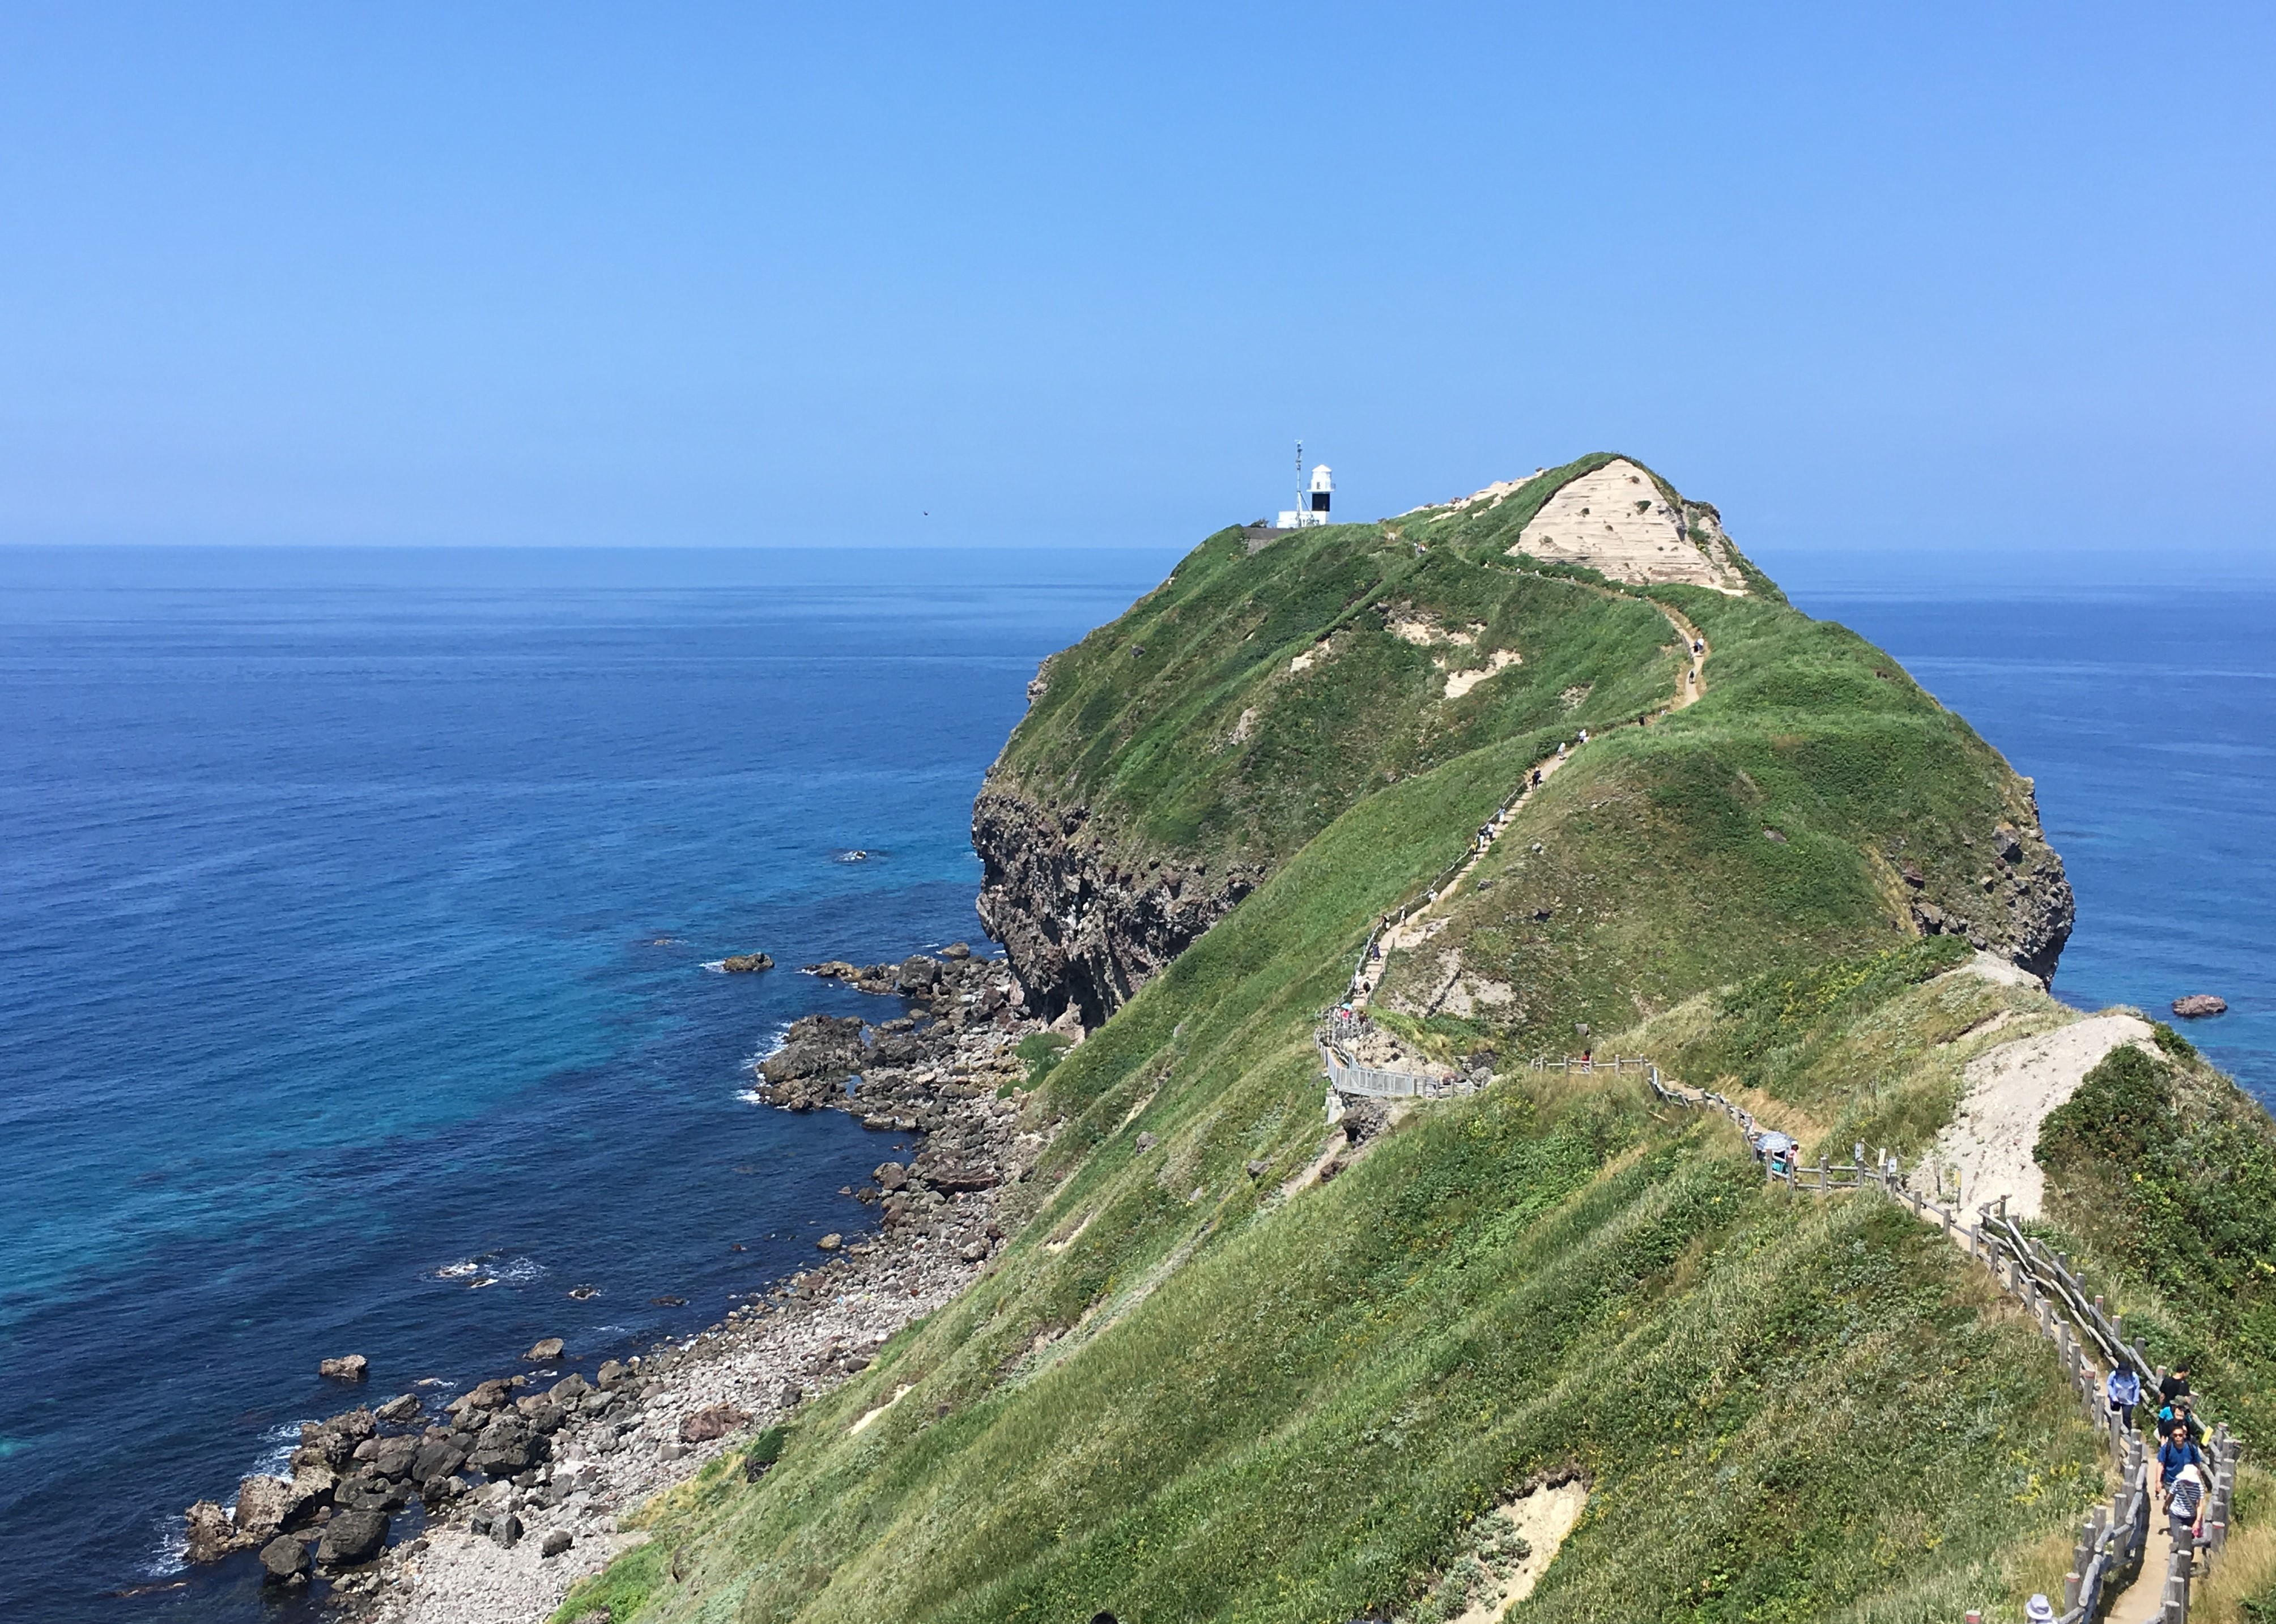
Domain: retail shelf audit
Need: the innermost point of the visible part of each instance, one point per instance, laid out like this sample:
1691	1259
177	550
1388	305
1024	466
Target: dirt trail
1427	920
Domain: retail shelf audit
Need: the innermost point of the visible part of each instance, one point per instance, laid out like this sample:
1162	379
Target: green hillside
1197	1388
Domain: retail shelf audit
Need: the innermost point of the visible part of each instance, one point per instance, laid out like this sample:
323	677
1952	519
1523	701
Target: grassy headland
1198	1385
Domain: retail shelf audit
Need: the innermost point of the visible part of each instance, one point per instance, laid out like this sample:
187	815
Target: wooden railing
2090	1341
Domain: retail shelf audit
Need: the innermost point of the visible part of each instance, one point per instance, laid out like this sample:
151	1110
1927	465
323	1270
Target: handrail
2113	1540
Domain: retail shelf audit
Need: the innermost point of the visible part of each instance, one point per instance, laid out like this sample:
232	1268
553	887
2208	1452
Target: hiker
2173	1384
2185	1508
1584	736
1698	647
2175	1456
2124	1392
2181	1413
1537	778
2038	1610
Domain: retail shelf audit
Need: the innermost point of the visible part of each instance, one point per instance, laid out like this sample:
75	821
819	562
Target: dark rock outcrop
1083	932
745	964
2017	903
2199	1004
352	1536
283	1559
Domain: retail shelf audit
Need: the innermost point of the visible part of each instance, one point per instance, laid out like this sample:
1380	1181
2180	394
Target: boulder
611	1373
507	1446
545	1350
283	1559
891	1174
569	1389
542	1413
715	1421
210	1534
2199	1004
367	1493
507	1530
957	950
355	1536
391	1457
745	964
397	1411
830	1243
559	1540
264	1506
347	1367
436	1458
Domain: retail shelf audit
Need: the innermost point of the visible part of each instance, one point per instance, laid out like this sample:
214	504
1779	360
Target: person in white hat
2038	1610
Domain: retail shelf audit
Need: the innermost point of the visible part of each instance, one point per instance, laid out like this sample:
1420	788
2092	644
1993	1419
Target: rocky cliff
2013	899
1085	920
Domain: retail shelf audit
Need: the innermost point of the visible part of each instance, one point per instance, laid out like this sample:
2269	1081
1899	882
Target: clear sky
1983	276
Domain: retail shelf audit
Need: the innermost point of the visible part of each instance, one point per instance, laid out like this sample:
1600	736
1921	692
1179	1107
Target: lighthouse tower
1311	500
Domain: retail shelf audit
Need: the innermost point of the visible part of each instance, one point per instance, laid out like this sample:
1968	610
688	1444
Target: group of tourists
2184	1469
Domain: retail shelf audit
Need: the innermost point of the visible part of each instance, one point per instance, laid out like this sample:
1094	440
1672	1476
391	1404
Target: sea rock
830	1243
210	1536
508	1445
391	1457
542	1413
283	1559
399	1410
891	1174
369	1493
745	964
569	1389
355	1536
493	1394
435	1458
559	1540
2198	1004
264	1506
714	1421
545	1350
611	1373
818	1046
957	950
347	1367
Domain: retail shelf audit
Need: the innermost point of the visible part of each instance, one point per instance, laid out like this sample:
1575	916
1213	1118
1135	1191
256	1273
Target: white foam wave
718	967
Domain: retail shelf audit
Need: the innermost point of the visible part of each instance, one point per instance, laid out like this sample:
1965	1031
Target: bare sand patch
1616	521
1542	1520
1461	681
2010	1089
868	1416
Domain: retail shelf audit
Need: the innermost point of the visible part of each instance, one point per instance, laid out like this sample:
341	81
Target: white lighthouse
1311	501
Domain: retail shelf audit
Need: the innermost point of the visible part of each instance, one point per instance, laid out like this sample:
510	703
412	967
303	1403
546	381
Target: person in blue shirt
2176	1454
2124	1392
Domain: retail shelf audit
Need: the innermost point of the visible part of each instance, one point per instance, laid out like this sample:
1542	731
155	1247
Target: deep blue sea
354	909
354	913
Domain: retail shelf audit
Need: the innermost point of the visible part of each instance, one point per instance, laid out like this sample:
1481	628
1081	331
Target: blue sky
1988	279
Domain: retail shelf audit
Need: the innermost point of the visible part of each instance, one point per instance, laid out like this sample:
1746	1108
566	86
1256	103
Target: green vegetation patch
2167	1171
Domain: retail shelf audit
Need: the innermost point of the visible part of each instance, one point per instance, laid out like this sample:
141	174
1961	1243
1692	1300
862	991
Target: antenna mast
1300	481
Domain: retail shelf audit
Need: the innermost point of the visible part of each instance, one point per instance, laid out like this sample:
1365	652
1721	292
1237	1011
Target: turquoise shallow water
354	909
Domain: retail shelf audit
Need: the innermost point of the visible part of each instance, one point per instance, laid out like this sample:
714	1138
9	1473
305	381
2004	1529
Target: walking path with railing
2110	1576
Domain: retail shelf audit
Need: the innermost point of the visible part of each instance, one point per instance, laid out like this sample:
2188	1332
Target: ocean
356	907
355	913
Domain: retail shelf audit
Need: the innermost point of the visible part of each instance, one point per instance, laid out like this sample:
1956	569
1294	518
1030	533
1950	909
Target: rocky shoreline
519	1482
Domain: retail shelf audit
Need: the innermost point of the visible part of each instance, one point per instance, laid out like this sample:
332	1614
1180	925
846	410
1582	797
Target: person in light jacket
2124	1392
